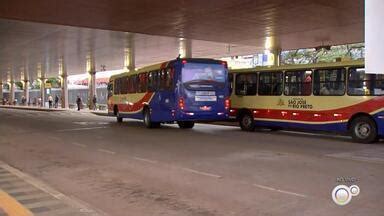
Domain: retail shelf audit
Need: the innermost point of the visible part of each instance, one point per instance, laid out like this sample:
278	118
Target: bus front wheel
363	129
147	120
246	122
186	124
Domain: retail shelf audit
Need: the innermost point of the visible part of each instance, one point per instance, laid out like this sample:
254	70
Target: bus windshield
200	75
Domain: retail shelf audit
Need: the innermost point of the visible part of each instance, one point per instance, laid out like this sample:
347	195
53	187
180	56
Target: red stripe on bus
137	106
340	114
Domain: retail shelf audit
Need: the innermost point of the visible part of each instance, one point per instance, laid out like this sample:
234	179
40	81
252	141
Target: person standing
50	101
94	101
78	102
56	101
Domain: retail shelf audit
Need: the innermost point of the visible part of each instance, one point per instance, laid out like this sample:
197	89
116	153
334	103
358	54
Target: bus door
165	96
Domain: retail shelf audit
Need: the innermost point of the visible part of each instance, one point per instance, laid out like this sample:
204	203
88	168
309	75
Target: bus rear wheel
363	129
147	120
186	124
246	122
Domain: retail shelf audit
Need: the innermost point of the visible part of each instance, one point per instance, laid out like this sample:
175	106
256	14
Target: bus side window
298	83
230	81
123	85
246	84
110	89
329	82
270	83
169	79
142	82
152	81
162	79
117	86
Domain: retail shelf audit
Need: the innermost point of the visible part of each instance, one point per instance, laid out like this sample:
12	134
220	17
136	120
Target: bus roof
357	63
157	66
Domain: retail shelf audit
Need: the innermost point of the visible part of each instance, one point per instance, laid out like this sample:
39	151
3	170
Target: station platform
22	195
45	109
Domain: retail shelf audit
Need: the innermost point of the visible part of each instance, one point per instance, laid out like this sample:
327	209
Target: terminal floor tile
21	195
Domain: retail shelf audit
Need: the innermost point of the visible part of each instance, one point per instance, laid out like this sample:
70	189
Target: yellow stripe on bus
12	207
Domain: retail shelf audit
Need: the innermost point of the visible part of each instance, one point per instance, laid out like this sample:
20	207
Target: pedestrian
78	102
94	101
50	101
39	102
23	101
56	101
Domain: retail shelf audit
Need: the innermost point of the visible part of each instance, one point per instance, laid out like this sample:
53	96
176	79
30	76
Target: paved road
126	169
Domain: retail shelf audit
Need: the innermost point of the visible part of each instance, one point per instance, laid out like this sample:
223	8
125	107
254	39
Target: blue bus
183	90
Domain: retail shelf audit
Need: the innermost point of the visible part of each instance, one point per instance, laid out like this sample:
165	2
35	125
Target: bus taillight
181	103
227	103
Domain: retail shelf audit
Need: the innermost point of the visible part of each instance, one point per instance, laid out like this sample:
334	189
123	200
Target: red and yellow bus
337	97
180	90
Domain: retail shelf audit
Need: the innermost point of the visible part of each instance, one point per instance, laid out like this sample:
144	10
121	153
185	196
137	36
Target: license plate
205	93
205	98
205	108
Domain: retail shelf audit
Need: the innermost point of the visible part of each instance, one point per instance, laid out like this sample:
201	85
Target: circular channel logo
342	194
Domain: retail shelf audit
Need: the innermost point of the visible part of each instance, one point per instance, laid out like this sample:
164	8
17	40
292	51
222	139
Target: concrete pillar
64	83
1	92
129	52
26	91
12	92
91	70
42	79
273	50
185	48
42	90
64	91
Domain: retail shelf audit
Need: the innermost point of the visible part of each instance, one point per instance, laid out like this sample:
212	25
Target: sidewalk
23	195
45	109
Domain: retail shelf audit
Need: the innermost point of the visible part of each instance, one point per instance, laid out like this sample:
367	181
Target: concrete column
41	77
129	53
185	48
12	92
1	93
273	50
26	90
64	91
42	90
64	83
91	70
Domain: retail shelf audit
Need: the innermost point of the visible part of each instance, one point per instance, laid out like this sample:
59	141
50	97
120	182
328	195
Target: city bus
181	90
335	97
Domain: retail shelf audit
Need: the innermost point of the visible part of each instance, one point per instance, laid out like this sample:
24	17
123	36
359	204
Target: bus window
270	83
110	89
169	79
329	82
117	86
360	83
246	84
298	83
123	85
230	81
132	84
153	81
142	83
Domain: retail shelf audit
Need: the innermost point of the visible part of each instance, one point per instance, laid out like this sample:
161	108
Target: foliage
307	56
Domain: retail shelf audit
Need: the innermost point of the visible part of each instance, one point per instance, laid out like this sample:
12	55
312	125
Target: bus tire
363	130
147	120
246	122
186	124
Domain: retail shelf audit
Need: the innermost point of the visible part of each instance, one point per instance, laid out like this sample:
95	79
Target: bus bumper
202	116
